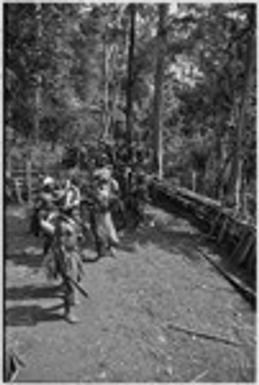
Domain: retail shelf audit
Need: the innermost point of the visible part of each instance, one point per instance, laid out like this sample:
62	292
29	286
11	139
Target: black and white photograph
129	192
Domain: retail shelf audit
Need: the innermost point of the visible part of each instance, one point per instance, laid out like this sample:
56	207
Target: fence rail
222	225
22	183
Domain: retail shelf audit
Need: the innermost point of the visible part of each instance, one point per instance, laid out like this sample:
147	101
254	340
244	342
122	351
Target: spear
79	287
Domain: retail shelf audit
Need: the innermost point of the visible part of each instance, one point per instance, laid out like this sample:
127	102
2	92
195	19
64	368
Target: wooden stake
248	245
239	245
222	230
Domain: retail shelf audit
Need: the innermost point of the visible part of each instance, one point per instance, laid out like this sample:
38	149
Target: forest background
176	84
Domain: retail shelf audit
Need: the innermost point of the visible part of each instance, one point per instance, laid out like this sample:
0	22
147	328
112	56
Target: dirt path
130	327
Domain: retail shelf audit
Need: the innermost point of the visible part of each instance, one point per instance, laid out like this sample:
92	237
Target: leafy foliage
56	51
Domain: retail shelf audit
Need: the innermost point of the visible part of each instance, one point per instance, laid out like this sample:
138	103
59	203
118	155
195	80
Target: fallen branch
199	198
199	376
202	334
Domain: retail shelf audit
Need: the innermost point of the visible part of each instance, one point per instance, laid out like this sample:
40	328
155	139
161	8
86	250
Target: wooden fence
220	224
23	182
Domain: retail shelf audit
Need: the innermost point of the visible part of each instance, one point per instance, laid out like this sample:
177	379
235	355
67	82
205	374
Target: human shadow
108	253
31	315
29	292
31	260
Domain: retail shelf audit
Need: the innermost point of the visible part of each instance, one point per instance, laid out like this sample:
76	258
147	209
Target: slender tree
38	76
241	115
106	54
130	83
158	96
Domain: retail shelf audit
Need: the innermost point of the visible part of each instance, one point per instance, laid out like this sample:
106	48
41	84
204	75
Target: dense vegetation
177	82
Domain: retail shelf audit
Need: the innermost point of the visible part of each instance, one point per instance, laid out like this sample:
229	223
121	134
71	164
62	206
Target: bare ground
158	312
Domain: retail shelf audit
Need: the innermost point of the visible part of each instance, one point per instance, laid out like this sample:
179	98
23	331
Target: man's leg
47	244
97	238
69	301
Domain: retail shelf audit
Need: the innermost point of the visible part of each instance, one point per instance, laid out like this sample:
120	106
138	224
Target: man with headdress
106	188
72	196
66	263
45	208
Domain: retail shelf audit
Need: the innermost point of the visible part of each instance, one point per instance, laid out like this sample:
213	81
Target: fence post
194	180
18	192
29	180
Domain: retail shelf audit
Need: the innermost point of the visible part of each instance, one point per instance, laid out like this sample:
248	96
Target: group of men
64	214
68	210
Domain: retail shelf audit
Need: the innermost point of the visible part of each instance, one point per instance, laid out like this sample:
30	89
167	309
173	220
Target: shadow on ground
31	260
178	235
29	292
166	239
31	315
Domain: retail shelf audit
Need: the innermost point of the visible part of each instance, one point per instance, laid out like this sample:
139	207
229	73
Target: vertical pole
29	179
18	192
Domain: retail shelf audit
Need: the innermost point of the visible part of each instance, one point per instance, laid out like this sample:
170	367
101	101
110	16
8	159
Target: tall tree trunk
158	97
115	89
218	134
38	110
129	111
38	87
106	87
241	121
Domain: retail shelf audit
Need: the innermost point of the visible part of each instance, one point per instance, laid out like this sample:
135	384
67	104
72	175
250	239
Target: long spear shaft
76	284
